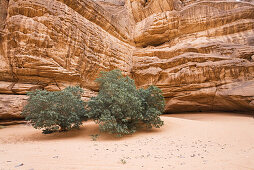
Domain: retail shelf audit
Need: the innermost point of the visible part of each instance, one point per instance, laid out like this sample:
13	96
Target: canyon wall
200	53
52	44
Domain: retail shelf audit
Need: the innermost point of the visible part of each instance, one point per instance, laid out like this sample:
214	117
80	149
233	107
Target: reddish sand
187	141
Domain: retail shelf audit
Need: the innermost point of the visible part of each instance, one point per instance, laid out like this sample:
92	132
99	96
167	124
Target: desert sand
187	141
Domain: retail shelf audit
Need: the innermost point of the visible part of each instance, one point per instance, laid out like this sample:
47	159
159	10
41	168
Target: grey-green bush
120	108
55	111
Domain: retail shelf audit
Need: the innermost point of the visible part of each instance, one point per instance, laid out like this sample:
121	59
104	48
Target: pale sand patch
187	141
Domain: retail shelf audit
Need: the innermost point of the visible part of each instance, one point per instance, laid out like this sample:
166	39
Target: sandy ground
187	141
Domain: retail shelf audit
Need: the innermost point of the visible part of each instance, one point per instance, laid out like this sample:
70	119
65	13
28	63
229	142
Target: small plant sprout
123	161
94	137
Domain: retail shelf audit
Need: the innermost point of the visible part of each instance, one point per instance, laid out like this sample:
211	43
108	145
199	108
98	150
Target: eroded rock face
11	106
51	42
200	53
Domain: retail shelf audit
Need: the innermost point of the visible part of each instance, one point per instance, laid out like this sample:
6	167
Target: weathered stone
17	88
49	42
11	106
213	18
200	53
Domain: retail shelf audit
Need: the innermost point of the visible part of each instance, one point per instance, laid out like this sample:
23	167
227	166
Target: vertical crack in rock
213	100
57	85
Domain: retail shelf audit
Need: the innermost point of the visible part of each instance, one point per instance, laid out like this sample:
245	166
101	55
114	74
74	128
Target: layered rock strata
52	44
199	52
201	55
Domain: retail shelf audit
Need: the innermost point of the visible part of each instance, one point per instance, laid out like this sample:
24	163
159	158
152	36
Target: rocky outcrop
200	55
11	106
52	44
199	52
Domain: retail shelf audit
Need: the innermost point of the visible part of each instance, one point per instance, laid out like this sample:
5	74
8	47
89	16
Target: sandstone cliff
200	53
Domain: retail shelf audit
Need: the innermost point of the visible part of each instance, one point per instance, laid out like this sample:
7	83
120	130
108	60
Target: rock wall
52	44
200	53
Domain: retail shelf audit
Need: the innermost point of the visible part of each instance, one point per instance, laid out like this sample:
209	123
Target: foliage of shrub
152	106
55	111
120	108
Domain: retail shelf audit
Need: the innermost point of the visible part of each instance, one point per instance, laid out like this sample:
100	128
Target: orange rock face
200	53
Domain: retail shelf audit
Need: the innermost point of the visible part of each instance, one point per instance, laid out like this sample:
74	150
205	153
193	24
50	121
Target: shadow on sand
26	133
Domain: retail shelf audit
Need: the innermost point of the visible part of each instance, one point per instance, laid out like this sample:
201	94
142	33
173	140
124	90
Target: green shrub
55	111
152	106
119	108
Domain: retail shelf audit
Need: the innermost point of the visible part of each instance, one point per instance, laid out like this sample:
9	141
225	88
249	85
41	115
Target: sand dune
187	141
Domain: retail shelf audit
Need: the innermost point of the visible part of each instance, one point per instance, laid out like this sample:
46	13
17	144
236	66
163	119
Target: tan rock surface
200	53
11	106
200	56
53	44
